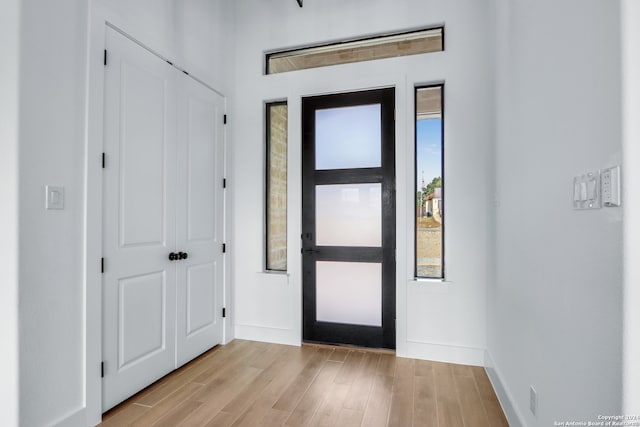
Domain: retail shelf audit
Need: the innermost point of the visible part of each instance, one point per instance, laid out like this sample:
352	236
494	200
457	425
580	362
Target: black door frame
336	333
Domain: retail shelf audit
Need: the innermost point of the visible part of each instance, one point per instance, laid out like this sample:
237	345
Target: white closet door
199	219
139	284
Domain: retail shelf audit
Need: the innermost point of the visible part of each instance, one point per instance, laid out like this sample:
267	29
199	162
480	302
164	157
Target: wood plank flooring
257	384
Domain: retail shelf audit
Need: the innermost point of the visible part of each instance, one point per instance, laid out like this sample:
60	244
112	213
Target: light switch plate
586	191
54	197
610	182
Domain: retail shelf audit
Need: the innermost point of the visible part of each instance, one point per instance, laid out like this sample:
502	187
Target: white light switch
55	197
586	191
576	191
583	191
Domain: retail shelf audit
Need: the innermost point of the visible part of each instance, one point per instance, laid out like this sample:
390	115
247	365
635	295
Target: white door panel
200	220
200	298
139	284
163	140
143	144
141	334
201	168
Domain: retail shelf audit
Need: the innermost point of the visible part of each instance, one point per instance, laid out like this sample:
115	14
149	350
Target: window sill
274	272
429	286
420	280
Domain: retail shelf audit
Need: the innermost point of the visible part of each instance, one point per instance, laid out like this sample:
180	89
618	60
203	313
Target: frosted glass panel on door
349	215
348	137
349	292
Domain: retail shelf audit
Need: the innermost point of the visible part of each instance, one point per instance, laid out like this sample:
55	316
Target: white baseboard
76	418
272	335
514	417
444	353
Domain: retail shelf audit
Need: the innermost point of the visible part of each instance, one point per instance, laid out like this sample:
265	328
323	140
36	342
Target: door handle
178	256
309	251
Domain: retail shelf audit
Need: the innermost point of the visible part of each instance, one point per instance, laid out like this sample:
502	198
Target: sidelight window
429	202
276	186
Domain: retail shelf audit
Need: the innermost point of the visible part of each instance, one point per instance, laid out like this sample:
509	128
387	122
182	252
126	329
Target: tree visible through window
429	204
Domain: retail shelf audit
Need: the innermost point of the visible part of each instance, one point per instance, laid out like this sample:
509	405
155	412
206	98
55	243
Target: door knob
183	255
173	256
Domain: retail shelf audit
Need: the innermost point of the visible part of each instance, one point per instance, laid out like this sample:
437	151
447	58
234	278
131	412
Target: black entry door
348	211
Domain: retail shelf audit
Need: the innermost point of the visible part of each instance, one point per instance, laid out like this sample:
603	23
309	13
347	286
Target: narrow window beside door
429	204
276	186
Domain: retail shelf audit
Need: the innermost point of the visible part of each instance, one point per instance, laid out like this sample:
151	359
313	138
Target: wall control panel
597	189
54	198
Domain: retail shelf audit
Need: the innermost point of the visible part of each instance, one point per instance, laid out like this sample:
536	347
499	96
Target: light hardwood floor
256	384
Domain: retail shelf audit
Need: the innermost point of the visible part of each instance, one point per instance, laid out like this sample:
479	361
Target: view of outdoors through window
276	212
429	185
389	46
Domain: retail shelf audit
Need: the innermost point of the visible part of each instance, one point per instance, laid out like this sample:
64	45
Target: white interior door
139	284
199	219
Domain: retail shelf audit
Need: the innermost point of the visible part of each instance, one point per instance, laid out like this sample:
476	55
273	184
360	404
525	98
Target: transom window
367	49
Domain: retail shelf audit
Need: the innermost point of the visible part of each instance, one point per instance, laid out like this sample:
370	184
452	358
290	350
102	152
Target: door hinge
224	182
224	248
101	265
104	160
224	119
105	57
224	312
102	370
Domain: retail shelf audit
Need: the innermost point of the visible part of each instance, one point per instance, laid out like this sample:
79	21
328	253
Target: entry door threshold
349	347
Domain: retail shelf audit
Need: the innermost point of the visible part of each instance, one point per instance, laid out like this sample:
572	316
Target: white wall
630	12
555	306
434	320
193	34
9	134
52	141
52	71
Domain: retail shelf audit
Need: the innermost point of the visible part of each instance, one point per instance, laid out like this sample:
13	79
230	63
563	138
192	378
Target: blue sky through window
428	150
